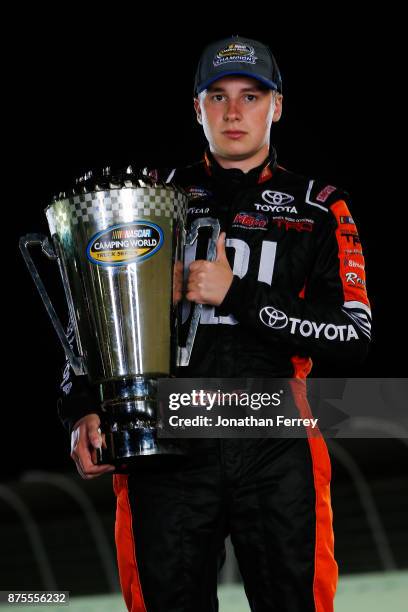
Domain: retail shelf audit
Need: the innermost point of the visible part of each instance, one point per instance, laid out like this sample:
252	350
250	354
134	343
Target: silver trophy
119	241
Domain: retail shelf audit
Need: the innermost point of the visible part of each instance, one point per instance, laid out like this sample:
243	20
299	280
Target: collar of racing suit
236	176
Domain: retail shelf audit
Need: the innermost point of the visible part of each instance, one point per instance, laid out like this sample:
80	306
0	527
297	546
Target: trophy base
126	447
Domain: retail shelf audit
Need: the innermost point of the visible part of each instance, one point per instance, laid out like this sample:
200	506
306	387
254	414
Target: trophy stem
129	420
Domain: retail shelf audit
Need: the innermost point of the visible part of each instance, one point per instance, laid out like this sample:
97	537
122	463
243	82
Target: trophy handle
184	352
48	250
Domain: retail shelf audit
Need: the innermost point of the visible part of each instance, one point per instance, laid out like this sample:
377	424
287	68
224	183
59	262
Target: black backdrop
118	90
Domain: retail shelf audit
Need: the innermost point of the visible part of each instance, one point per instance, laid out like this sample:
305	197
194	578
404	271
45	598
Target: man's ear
198	110
278	107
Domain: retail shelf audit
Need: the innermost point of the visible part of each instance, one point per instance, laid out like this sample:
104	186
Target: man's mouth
234	134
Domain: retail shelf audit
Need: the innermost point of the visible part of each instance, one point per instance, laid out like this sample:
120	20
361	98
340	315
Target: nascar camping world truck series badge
126	243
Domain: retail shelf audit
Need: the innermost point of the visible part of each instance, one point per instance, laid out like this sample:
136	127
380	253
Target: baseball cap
237	55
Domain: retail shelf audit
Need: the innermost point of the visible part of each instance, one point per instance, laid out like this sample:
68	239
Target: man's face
236	114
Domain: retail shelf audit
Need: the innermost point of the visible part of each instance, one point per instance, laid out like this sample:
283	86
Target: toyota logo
277	198
273	318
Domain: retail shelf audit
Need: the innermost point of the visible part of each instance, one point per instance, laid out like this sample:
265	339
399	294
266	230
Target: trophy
119	241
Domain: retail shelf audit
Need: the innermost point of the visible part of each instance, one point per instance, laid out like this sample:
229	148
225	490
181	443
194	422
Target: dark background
117	89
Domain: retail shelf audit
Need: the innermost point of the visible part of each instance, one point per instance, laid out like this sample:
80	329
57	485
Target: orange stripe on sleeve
352	265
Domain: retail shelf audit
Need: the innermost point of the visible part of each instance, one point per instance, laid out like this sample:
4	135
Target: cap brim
267	82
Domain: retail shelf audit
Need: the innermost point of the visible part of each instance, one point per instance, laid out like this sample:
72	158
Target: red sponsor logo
299	226
250	220
324	194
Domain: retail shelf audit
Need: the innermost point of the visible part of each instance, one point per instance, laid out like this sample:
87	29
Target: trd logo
299	226
351	237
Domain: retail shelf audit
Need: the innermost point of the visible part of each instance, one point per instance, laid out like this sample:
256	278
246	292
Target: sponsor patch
194	192
324	193
351	237
278	198
300	225
126	243
198	211
250	220
276	319
351	263
346	221
275	208
353	251
352	278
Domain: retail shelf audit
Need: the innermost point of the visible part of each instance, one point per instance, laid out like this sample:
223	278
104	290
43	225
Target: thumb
95	437
221	254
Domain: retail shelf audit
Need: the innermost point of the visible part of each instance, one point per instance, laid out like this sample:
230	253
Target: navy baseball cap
240	56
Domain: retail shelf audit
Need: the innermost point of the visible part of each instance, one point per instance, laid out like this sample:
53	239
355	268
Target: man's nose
232	111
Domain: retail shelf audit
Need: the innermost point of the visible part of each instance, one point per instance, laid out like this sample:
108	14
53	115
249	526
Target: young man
287	284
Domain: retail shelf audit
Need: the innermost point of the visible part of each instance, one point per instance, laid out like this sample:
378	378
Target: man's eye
218	97
251	97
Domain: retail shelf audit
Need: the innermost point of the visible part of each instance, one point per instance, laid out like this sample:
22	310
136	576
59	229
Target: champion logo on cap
235	52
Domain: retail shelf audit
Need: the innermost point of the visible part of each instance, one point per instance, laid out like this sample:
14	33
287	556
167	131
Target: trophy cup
118	240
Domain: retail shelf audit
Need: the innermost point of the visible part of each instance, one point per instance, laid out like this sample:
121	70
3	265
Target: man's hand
209	281
177	282
85	439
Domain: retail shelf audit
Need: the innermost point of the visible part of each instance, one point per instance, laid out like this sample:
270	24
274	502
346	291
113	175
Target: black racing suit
298	294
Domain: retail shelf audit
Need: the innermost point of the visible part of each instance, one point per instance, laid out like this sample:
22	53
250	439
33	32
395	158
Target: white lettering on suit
239	268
